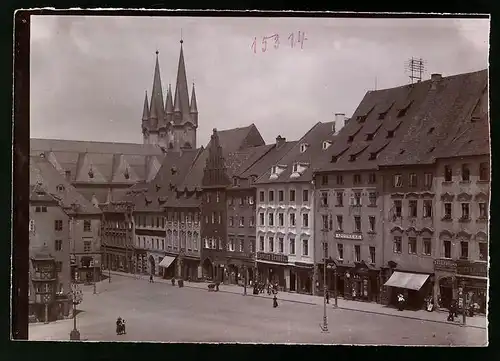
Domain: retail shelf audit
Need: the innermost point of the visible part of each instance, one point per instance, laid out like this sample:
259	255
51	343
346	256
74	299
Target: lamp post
76	298
324	326
245	283
335	284
464	299
95	276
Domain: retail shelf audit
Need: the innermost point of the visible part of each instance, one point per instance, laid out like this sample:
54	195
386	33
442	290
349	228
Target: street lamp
76	298
245	283
324	326
464	299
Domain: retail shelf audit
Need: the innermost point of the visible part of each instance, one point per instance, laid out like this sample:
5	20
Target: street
161	312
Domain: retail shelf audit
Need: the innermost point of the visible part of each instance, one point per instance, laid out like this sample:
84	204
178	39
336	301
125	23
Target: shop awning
166	261
410	281
271	262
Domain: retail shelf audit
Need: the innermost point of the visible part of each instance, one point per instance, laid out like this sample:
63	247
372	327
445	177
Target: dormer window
273	169
373	156
382	116
91	173
60	188
235	181
431	129
361	118
334	159
369	136
126	174
295	167
326	144
352	158
402	112
350	139
390	134
303	147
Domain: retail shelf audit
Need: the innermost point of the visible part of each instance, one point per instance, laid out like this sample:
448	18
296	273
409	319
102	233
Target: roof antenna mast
416	68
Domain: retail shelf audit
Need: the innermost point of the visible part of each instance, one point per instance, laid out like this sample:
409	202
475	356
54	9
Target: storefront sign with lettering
273	257
357	237
447	265
478	269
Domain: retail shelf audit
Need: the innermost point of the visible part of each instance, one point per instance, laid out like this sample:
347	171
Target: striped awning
409	281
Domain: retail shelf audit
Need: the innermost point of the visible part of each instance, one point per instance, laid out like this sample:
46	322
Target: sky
89	74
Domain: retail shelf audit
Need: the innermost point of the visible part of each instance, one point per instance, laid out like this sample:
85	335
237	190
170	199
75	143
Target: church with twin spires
170	122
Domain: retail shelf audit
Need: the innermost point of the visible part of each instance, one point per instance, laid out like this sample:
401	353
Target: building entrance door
293	281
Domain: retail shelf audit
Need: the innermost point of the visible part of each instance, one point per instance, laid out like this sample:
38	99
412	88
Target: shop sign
478	269
447	265
353	236
272	257
305	265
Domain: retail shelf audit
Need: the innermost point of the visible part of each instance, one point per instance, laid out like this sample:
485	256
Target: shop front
455	276
358	281
304	274
167	266
271	268
239	270
415	287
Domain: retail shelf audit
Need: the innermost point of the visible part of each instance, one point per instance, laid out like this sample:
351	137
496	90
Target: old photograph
274	180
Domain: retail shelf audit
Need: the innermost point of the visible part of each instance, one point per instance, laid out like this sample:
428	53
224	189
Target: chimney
280	141
346	120
339	121
435	78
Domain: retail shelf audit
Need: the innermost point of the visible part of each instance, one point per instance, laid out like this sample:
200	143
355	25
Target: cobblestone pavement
161	312
476	321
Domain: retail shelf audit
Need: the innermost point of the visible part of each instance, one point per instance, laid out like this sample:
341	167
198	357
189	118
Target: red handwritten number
264	44
254	45
290	37
302	40
276	41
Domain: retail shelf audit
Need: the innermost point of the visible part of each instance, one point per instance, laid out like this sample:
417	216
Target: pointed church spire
194	107
169	106
181	99
145	111
156	108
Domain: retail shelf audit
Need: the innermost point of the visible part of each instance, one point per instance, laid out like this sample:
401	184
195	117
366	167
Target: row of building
395	198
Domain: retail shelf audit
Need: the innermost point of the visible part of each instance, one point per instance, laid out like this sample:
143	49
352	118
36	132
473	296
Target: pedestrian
151	278
268	288
327	297
401	300
275	301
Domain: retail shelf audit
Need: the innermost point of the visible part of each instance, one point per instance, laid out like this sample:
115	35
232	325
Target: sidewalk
376	308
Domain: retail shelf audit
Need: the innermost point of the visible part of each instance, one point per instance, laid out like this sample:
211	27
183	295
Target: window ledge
464	182
339	205
447	182
372	205
398	252
482	219
483	181
447	219
372	232
357	232
464	220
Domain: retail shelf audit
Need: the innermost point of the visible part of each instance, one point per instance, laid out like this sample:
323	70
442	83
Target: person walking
401	300
151	278
275	301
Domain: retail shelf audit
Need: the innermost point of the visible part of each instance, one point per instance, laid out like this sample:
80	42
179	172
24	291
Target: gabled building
286	211
226	252
64	240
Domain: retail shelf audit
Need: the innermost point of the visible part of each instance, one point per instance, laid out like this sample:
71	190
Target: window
412	245
426	246
250	200
483	213
162	244
397	208
87	246
252	247
281	245
37	209
398	180
324	179
58	225
305	247
305	220
292	195
295	167
397	246
86	226
271	196
464	250
231	245
357	198
427	208
292	245
340	179
372	255
339	223
44	209
252	221
484	172
372	198
220	217
230	201
261	196
325	222
241	245
413	180
292	219
235	181
217	196
208	198
324	199
447	210
261	245
261	219
281	219
303	147
340	199
305	195
32	225
428	180
465	210
271	244
157	222
357	224
58	245
372	223
207	220
447	249
242	201
465	173
390	133
357	253
448	174
58	266
357	179
412	208
340	251
330	223
281	196
483	251
271	219
213	217
242	221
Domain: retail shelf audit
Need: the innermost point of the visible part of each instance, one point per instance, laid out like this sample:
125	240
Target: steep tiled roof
411	124
267	160
44	176
313	141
